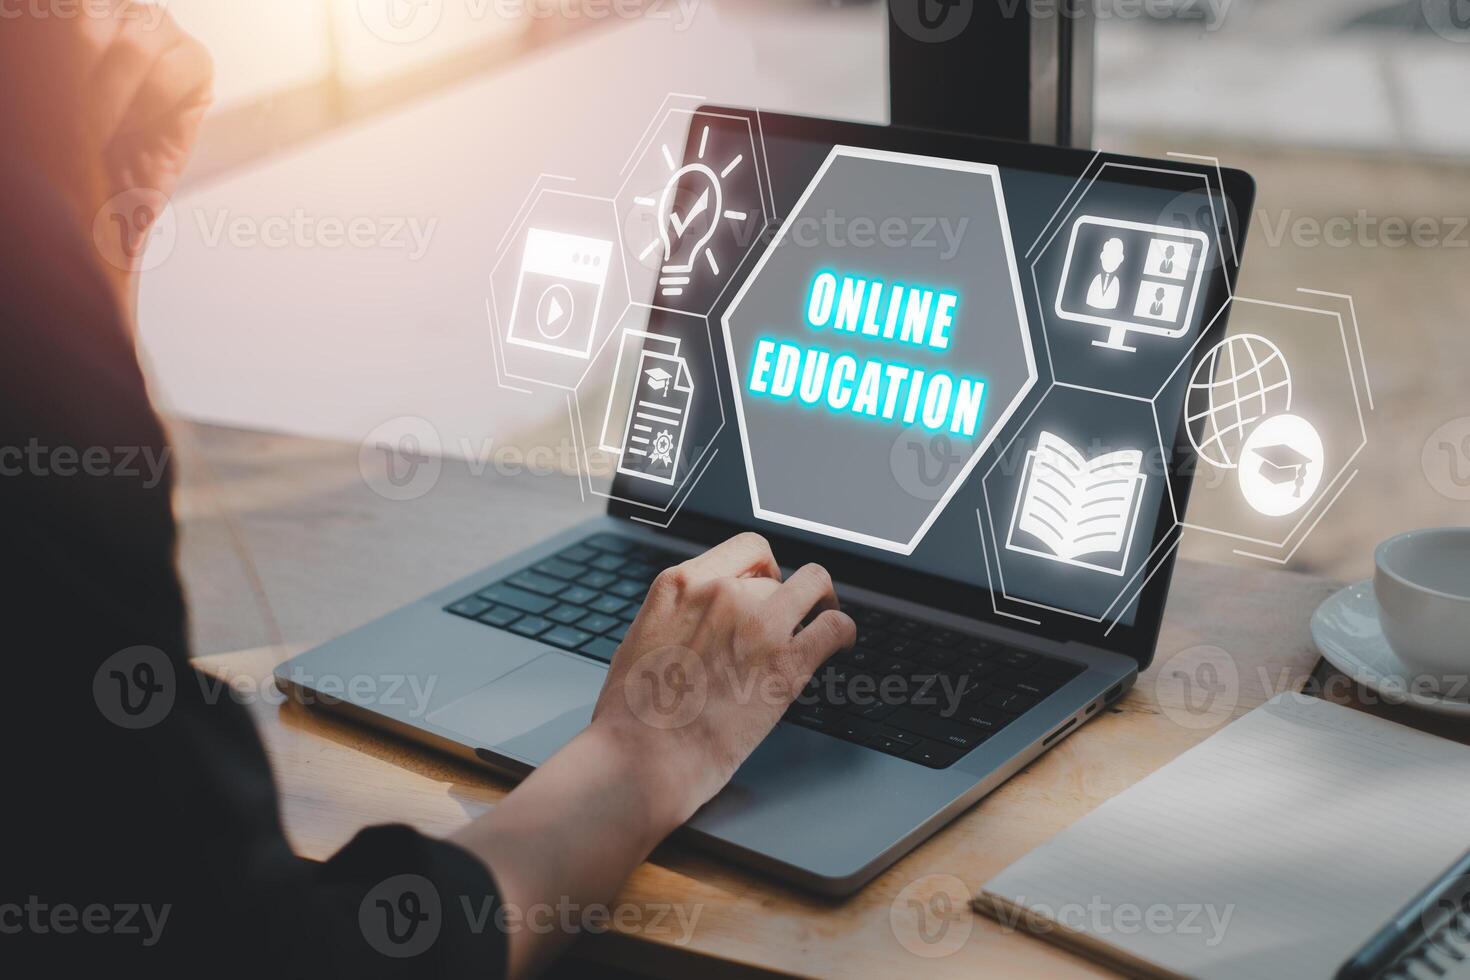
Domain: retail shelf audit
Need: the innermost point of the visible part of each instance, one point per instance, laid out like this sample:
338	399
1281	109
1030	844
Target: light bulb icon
688	214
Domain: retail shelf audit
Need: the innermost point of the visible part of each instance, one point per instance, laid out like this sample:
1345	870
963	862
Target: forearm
572	833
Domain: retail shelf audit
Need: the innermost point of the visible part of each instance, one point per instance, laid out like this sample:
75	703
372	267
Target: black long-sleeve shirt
140	822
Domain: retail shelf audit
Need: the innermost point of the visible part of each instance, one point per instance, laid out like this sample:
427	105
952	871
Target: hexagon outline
762	179
523	216
1327	485
939	506
701	462
1061	219
988	522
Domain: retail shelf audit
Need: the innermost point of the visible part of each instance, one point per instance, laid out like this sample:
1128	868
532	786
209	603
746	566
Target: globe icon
1242	380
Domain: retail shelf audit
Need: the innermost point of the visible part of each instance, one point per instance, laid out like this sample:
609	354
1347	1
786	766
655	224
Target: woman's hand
720	649
108	103
717	654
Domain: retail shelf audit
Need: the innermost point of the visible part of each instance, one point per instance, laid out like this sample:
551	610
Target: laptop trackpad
530	712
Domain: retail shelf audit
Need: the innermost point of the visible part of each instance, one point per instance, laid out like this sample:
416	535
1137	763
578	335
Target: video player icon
559	293
555	311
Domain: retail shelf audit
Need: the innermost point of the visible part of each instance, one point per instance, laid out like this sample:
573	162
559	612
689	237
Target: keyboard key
501	616
628	589
600	648
566	636
531	626
934	755
1058	669
936	656
597	580
470	607
867	616
1019	658
640	570
862	658
560	568
535	582
566	615
609	563
596	623
887	730
885	744
908	628
608	605
853	729
877	711
579	594
986	720
942	638
609	542
578	553
1009	702
814	716
526	602
631	613
618	632
1036	685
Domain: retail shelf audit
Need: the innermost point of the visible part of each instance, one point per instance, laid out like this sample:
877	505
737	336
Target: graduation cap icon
658	380
1281	464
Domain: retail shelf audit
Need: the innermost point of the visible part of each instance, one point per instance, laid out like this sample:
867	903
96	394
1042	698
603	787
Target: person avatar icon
1166	267
1105	289
1156	308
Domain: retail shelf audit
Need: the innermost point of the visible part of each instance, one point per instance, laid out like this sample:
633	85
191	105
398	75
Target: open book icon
1071	506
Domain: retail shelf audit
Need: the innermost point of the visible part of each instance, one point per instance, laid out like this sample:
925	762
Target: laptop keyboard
907	688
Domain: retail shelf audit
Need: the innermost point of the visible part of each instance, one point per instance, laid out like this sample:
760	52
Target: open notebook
1273	849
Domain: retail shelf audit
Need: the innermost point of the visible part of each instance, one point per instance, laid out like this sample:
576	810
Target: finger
824	636
809	588
178	88
149	72
745	555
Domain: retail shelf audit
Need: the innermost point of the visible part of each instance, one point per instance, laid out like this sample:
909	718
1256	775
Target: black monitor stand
1015	69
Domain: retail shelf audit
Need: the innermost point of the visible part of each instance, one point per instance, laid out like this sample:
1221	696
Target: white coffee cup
1422	582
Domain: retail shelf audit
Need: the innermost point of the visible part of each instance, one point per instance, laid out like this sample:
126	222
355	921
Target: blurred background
1350	113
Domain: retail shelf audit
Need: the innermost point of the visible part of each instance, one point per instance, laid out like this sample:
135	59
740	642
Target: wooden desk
331	554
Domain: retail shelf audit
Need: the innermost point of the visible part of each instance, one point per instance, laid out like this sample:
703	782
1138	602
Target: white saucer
1346	630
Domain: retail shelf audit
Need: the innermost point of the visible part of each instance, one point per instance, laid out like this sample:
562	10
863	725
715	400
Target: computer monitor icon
1127	276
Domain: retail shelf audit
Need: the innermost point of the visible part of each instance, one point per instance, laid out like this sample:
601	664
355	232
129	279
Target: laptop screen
954	368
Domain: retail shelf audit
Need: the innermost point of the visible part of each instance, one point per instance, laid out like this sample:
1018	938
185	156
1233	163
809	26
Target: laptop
1006	558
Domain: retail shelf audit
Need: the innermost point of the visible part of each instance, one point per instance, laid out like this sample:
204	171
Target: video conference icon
1129	276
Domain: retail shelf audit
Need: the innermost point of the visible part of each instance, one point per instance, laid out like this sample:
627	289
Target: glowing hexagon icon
887	307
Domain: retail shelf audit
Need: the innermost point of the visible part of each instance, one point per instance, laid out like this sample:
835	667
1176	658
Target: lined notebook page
1292	835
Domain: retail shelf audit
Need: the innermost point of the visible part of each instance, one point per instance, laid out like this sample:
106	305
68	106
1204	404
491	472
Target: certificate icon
658	416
